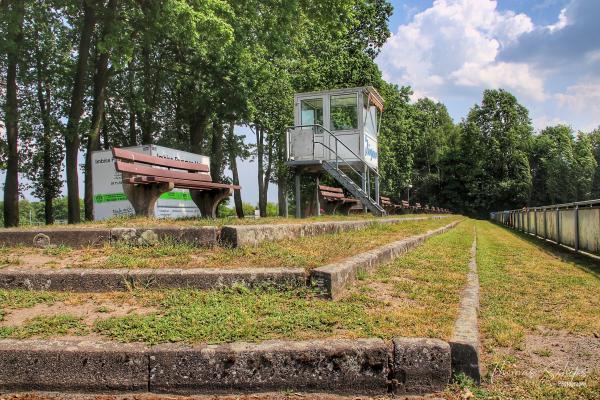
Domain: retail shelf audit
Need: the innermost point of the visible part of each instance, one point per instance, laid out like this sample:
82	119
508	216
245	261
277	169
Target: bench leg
143	197
344	208
208	200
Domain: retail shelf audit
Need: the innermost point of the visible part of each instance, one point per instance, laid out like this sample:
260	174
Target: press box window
312	112
344	112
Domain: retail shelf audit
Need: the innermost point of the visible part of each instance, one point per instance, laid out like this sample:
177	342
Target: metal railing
574	225
318	129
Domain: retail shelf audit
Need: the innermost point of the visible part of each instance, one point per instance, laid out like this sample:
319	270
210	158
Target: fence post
545	226
557	225
576	217
535	221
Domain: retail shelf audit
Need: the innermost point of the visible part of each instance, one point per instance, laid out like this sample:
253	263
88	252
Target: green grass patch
524	286
380	305
45	327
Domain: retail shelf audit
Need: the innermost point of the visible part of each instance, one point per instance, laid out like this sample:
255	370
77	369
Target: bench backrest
129	161
418	205
331	192
405	204
385	201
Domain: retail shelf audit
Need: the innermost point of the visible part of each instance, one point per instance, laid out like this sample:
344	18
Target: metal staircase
353	188
329	157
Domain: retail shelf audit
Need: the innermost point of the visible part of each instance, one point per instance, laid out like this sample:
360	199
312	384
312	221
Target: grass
305	252
46	327
525	286
400	299
132	221
528	287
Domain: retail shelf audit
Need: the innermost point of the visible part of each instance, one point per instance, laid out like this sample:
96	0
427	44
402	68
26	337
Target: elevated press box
351	115
110	201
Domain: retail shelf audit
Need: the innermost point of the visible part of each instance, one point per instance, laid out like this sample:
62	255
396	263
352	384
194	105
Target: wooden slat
183	183
330	189
122	166
122	154
331	194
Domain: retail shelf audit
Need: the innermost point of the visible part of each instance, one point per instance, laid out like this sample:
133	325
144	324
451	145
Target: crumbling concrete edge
332	280
81	237
344	366
253	235
465	342
109	280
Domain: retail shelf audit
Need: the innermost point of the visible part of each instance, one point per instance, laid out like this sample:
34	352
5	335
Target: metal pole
377	189
364	184
317	196
557	225
545	226
576	228
298	200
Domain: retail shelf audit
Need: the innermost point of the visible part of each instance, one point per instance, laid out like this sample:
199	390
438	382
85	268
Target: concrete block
73	237
420	365
108	280
253	235
340	366
72	366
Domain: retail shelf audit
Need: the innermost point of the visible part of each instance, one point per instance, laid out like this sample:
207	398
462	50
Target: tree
595	142
497	139
72	139
584	167
553	162
101	76
14	13
48	51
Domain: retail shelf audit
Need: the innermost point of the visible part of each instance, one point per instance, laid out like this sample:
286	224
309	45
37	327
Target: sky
546	52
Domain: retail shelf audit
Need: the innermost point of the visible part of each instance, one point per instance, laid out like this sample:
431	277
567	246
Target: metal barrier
574	225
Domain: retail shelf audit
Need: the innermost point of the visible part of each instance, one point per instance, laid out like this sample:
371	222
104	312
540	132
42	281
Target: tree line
491	160
94	74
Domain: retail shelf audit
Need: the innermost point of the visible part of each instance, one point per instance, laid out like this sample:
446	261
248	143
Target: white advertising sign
371	156
110	201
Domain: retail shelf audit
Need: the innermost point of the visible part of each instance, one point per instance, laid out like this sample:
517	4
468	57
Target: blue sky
546	52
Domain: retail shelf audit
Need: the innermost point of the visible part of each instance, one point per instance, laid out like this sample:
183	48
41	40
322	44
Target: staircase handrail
337	140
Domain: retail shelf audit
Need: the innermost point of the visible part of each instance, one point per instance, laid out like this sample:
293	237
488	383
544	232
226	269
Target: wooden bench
146	178
418	207
333	200
388	205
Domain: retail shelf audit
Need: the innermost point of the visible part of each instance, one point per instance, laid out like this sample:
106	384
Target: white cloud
563	21
510	76
581	97
544	121
455	43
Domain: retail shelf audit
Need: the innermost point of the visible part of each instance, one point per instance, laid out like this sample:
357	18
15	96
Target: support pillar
557	225
576	217
298	199
377	189
317	200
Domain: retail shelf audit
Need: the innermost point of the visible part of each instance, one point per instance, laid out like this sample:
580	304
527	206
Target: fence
574	225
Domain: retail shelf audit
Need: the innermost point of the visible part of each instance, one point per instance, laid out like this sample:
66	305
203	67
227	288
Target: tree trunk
260	150
72	139
146	116
232	150
216	151
132	117
282	187
93	139
45	101
198	124
11	185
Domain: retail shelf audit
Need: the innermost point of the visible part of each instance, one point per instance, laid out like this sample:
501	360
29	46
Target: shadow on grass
588	263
